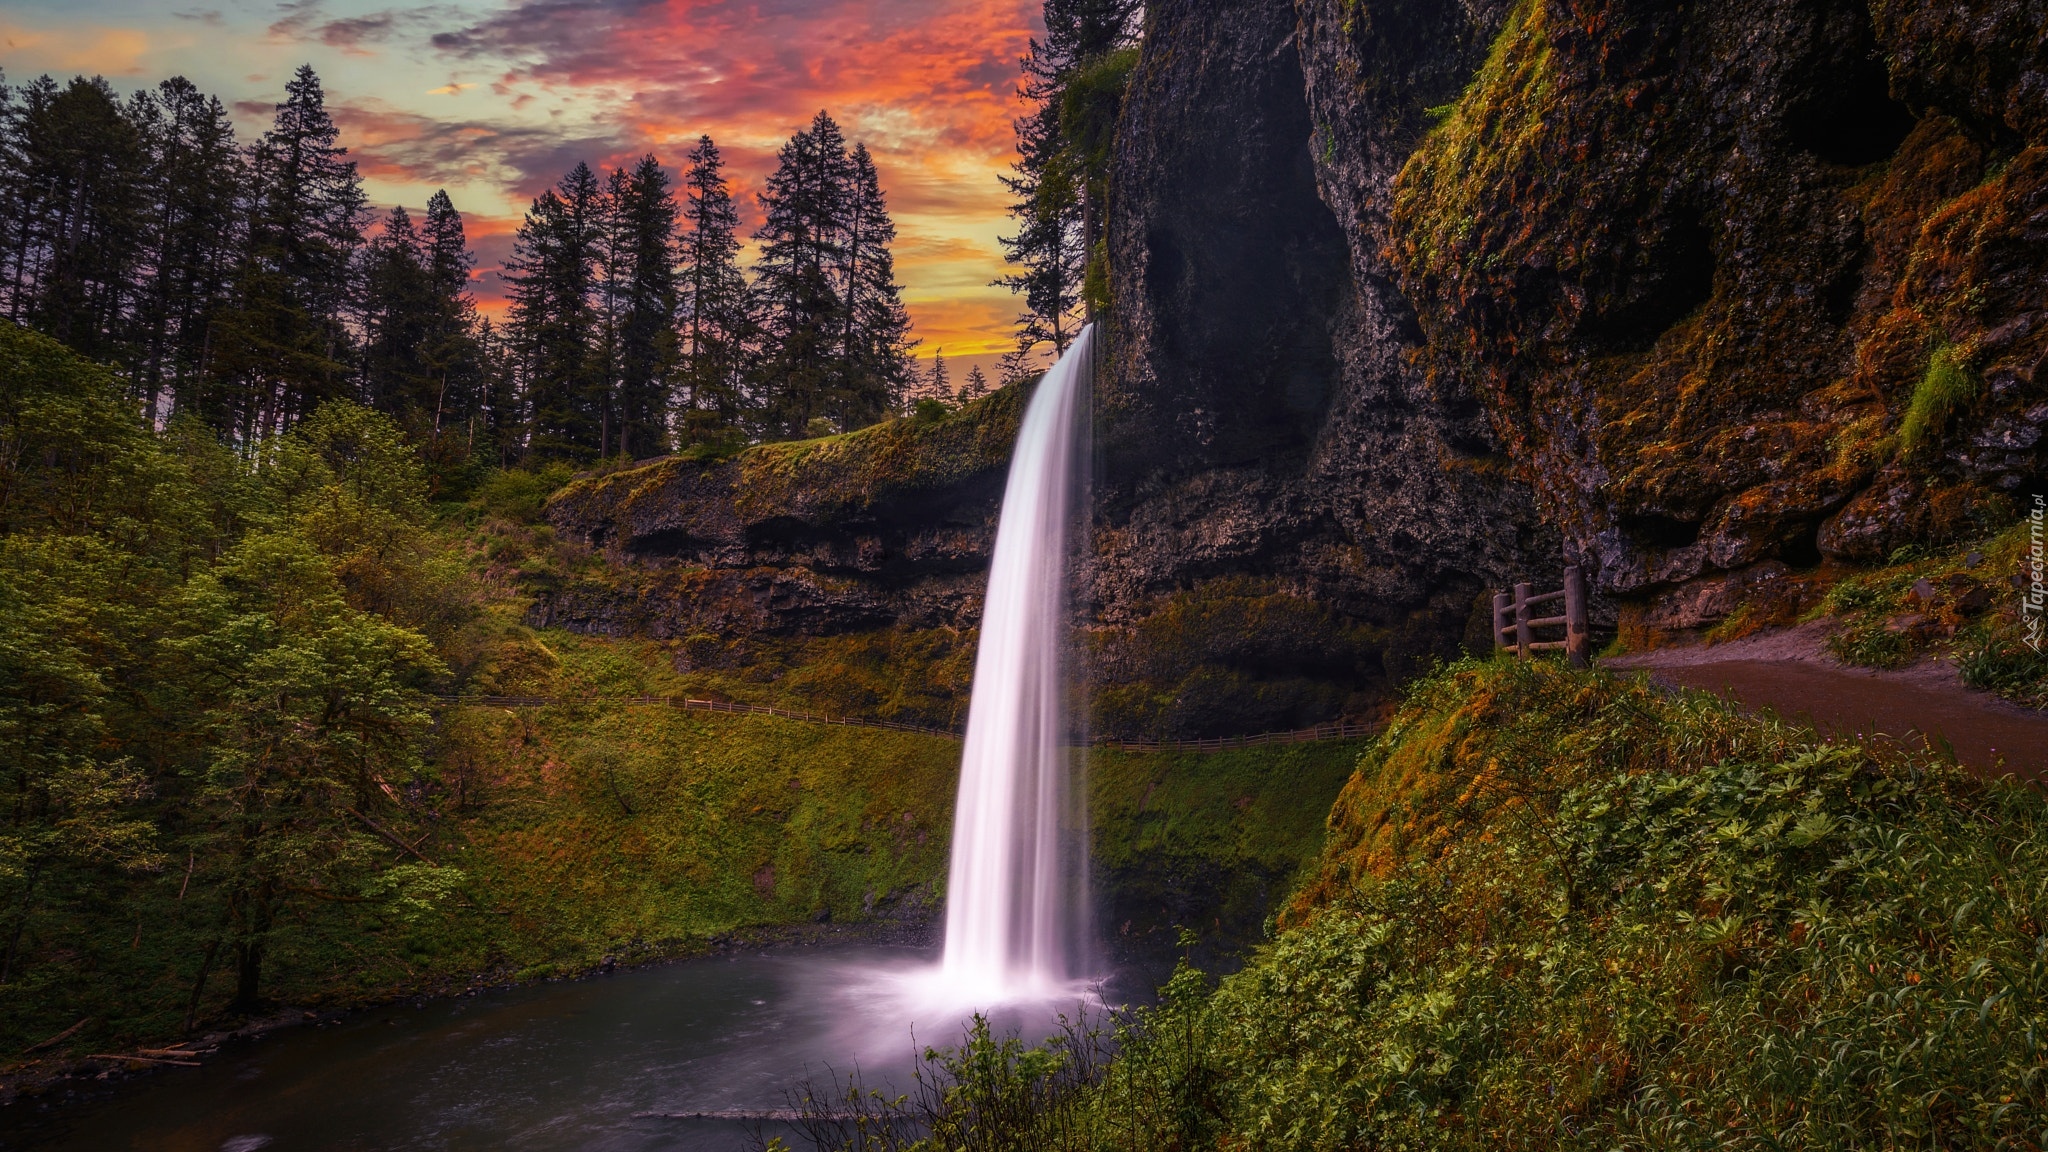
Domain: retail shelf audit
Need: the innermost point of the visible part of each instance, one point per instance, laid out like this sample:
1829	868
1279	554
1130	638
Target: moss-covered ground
1969	604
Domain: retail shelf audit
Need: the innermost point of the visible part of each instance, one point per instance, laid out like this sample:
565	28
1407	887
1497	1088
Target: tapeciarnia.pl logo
2034	606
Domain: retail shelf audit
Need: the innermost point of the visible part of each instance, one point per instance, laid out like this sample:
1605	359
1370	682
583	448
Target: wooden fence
1513	615
1337	730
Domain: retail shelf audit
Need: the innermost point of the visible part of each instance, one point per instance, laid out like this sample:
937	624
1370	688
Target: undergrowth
1568	910
1965	602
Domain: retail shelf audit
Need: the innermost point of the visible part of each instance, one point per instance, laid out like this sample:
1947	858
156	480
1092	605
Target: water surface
553	1067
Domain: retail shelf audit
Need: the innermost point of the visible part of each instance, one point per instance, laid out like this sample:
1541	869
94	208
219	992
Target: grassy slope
1568	910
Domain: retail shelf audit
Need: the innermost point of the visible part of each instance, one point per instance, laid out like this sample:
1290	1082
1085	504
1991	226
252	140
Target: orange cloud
93	50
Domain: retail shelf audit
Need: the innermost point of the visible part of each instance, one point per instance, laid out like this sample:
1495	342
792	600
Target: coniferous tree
451	353
877	344
1074	82
937	383
975	386
78	173
716	306
397	319
805	206
191	237
644	276
556	327
497	428
287	341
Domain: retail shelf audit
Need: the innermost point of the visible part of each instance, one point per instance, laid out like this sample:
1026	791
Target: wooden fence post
1500	620
1523	638
1577	640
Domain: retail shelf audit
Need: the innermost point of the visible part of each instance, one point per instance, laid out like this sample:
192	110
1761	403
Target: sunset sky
495	100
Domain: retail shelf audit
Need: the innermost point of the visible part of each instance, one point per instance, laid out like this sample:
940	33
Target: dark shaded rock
1698	261
1259	420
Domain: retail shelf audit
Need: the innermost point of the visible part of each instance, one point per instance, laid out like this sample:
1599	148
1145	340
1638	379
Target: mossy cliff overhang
1737	283
806	536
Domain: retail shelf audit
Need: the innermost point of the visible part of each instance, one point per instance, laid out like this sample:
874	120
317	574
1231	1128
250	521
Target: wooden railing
1513	616
1336	730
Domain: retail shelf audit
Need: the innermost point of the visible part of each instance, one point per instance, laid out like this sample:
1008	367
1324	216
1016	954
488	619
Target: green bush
519	494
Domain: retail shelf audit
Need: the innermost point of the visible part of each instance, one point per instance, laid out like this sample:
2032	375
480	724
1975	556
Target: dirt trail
1791	673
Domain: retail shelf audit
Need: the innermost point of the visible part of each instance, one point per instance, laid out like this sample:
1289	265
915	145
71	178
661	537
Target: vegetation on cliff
1737	313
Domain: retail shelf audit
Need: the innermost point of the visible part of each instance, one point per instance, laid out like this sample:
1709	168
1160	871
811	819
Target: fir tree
644	276
398	316
288	339
937	383
192	233
450	352
1074	82
556	328
975	386
78	173
716	305
805	206
877	342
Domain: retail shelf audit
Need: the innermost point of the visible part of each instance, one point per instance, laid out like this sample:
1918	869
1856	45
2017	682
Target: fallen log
60	1037
146	1059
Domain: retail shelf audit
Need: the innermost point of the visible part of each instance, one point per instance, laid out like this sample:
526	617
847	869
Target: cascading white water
1016	898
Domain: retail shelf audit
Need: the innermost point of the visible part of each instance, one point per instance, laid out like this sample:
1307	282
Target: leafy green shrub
519	494
1870	644
1997	658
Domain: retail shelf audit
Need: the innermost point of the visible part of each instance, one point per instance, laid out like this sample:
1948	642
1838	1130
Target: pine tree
398	315
975	386
450	353
556	328
877	342
497	427
1074	82
645	277
716	303
1018	365
937	383
78	173
802	250
192	235
287	341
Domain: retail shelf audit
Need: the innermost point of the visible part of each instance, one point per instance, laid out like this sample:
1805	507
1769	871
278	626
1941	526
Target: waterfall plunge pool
554	1066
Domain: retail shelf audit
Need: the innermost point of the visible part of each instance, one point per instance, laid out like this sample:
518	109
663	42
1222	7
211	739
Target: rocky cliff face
888	526
1265	431
1741	285
1413	297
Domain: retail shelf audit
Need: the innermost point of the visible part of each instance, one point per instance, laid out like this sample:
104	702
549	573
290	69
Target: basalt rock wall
1742	286
890	526
1265	430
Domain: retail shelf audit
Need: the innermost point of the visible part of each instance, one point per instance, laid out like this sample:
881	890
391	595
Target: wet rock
1709	599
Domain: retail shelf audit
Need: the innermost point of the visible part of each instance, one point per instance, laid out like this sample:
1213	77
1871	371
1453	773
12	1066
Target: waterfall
1016	897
